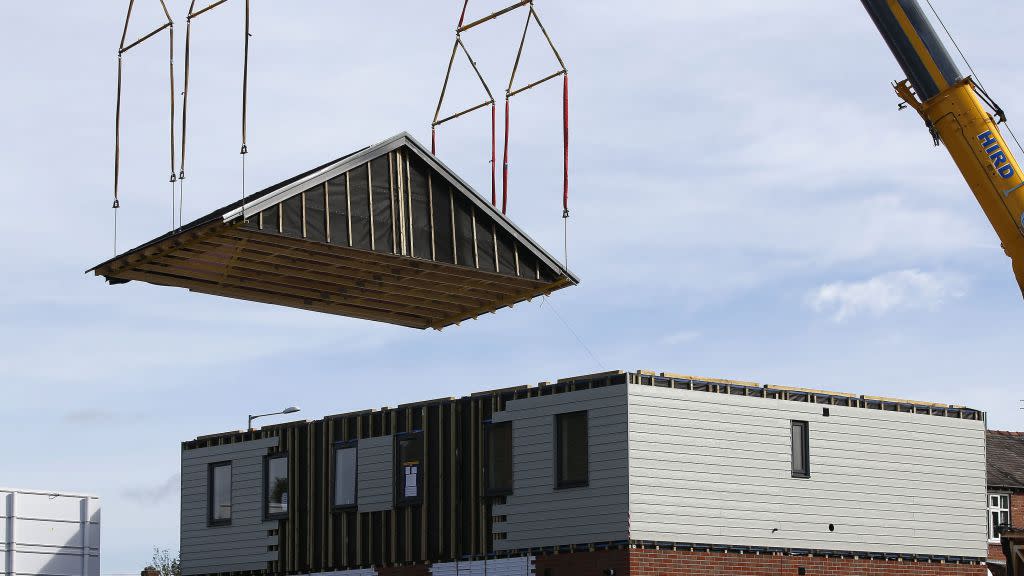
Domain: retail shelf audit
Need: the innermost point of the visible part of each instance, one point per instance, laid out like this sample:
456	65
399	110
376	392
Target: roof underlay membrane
387	233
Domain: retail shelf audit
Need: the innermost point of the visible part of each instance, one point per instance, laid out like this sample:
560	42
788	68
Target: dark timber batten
387	233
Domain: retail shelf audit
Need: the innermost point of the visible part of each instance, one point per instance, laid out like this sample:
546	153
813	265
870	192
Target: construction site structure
641	473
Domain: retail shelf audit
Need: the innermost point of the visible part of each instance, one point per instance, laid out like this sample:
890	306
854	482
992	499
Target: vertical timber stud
515	252
430	203
369	188
407	520
394	220
401	201
328	477
348	209
428	468
394	512
494	243
358	516
472	500
302	199
476	246
453	479
408	207
327	213
455	238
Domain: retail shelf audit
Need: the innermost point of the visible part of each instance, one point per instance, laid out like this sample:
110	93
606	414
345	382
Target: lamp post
288	410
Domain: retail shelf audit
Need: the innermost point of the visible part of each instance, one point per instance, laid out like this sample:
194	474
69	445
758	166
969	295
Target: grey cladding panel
715	469
375	475
536	513
242	545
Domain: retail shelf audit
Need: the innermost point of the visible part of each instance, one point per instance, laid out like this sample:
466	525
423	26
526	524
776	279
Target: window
998	514
219	494
572	456
276	502
410	467
801	449
499	458
345	462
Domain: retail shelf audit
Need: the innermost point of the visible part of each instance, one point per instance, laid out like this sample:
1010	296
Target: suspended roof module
388	233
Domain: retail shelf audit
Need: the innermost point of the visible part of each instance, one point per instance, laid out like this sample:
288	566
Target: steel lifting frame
193	13
490	100
510	91
122	49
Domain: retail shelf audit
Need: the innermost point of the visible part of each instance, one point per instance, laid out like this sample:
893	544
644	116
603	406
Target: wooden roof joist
387	233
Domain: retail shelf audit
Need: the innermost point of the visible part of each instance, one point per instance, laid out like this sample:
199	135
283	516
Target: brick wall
684	563
583	563
644	562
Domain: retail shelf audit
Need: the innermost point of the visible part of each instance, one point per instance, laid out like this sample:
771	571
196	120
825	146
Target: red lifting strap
494	190
565	142
504	168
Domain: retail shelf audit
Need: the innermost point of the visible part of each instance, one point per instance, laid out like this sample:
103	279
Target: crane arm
954	112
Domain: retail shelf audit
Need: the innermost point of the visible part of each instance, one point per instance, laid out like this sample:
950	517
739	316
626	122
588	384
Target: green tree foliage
164	563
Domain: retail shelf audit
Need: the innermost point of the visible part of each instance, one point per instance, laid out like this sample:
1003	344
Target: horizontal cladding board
697	436
242	544
930	477
768	427
575	497
537	513
233	537
233	565
704	403
375	474
223	551
887	482
682	394
232	448
815	540
698	498
863	522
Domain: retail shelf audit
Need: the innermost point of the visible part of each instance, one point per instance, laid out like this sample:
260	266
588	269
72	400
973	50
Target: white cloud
911	289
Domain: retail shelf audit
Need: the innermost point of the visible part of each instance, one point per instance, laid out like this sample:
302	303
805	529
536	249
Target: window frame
344	445
564	484
488	431
989	509
210	486
266	486
399	473
806	456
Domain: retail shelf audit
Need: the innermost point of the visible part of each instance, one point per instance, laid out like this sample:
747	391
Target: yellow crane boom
953	107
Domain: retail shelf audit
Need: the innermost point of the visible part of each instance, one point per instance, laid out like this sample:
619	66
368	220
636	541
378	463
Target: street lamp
288	410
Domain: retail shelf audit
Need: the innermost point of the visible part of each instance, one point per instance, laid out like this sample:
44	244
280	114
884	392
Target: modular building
49	533
619	473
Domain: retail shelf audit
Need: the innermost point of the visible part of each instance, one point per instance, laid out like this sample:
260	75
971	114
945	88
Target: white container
49	533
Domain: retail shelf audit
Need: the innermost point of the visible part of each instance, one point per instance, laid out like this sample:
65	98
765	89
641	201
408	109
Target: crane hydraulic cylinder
951	105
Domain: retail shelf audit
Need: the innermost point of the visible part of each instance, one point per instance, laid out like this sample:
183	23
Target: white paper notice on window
410	481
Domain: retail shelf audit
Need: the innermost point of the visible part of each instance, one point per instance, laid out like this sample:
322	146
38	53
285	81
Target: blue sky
747	203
